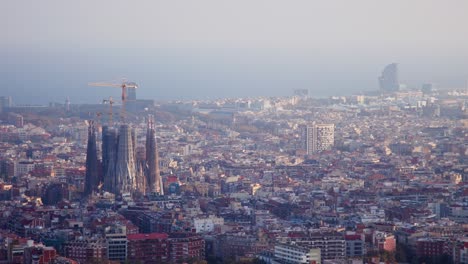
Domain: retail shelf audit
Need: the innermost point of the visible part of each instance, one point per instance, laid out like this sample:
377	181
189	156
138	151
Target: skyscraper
388	81
92	180
131	99
131	94
320	137
125	168
67	104
153	177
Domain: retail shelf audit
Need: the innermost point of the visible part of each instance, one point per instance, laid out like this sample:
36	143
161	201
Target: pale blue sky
216	48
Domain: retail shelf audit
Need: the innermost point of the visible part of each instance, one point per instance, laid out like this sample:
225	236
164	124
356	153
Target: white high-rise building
116	237
320	137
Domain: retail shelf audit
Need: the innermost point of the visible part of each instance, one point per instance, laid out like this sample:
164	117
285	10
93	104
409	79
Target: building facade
320	137
331	245
86	250
184	246
116	237
293	254
148	248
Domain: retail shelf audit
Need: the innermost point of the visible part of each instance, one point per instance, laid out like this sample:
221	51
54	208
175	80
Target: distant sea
41	77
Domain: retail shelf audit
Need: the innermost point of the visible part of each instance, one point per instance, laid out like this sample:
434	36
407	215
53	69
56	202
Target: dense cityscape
378	177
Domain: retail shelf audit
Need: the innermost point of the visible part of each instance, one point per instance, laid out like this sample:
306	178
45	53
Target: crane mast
124	86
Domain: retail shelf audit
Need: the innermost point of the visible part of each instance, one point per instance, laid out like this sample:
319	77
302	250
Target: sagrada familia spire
153	177
125	167
125	170
109	157
92	179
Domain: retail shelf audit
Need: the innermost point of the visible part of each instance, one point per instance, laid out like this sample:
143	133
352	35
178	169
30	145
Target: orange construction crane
109	101
124	85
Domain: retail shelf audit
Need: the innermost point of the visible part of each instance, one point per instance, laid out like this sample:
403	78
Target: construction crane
109	101
124	85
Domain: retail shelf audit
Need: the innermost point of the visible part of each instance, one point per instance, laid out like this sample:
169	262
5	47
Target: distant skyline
214	48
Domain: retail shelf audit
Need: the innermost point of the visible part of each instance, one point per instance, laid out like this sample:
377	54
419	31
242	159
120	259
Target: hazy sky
215	48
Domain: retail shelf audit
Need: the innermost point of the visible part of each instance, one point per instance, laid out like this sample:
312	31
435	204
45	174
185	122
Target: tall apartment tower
302	144
388	81
109	157
320	137
125	167
92	180
153	176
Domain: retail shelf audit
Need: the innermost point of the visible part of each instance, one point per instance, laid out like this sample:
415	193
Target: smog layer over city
249	131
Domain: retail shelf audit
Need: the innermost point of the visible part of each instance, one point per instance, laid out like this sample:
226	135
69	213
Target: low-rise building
293	254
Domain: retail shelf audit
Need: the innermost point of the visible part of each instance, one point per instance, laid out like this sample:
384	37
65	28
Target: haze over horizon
211	49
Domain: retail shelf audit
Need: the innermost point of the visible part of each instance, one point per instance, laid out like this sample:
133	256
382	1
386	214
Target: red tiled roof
171	179
353	237
296	234
147	236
